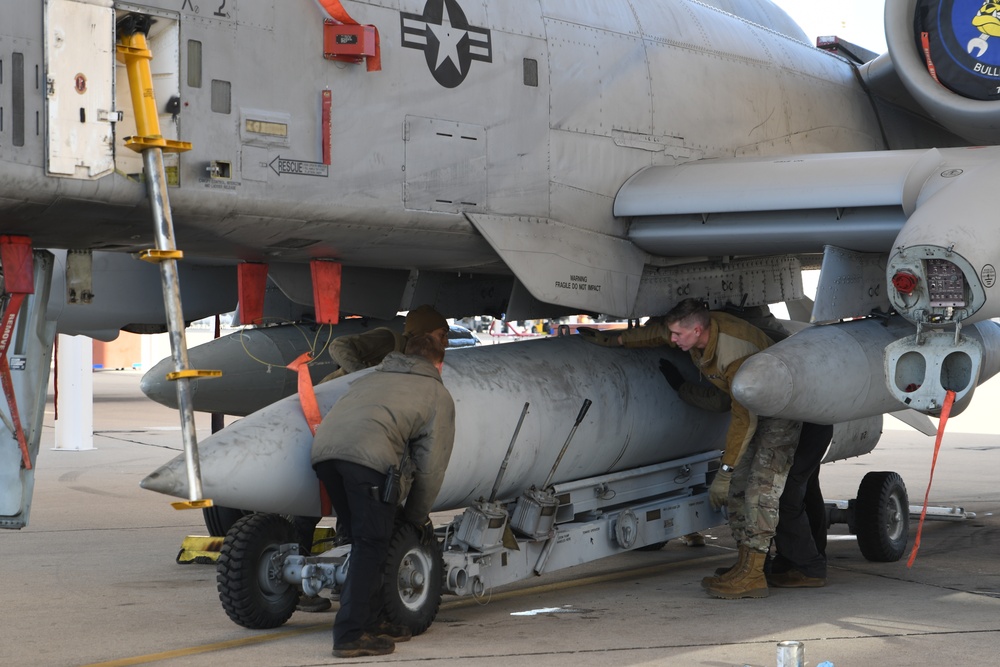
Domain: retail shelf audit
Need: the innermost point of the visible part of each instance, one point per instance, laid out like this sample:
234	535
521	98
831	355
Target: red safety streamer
17	259
327	123
949	400
338	13
326	277
925	43
251	286
7	327
310	408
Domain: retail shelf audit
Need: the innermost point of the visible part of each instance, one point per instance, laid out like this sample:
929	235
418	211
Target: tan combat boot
747	582
724	573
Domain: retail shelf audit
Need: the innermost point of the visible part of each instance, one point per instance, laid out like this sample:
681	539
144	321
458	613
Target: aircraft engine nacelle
947	54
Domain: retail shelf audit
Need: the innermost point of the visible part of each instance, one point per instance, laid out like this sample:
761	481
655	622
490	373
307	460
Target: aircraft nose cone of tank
763	384
154	383
167	480
252	363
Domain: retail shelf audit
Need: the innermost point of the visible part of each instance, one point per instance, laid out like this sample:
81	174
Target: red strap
17	258
949	400
307	397
251	284
6	331
338	13
310	408
374	64
327	130
925	42
326	277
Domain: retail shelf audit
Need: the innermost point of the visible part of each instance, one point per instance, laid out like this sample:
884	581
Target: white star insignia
448	38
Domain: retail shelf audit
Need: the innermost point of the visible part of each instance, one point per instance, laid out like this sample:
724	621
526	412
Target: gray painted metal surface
763	232
127	294
558	149
832	180
29	356
593	93
849	283
833	373
973	245
254	363
262	461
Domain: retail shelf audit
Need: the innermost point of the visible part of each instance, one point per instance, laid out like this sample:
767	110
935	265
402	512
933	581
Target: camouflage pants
759	479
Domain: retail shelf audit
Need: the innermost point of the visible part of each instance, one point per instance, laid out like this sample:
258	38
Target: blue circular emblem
960	42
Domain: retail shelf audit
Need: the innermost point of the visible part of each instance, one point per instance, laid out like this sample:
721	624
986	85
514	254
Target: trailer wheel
413	579
248	572
219	519
882	517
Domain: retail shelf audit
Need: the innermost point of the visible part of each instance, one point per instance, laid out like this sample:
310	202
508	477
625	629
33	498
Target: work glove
718	493
598	337
673	376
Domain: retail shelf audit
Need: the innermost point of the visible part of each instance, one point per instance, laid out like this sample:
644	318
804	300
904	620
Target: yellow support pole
132	30
136	55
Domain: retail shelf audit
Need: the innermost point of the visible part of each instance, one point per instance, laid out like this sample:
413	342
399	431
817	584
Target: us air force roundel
449	43
963	40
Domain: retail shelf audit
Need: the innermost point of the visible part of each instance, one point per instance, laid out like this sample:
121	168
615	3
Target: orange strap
949	400
17	259
338	13
307	396
310	408
925	43
6	333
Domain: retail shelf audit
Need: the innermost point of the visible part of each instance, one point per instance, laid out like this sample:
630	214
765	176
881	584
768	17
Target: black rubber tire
249	582
219	519
882	517
413	580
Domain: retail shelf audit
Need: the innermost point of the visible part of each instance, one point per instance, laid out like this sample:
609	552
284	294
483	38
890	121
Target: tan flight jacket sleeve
355	353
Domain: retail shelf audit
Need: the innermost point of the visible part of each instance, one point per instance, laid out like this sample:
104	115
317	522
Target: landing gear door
79	81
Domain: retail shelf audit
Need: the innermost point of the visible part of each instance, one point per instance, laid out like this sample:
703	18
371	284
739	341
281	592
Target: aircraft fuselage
524	109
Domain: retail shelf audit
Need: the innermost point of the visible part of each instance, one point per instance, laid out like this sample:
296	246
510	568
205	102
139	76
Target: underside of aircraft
312	159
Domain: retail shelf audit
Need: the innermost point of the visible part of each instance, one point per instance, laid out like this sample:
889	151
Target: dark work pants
350	488
800	537
816	509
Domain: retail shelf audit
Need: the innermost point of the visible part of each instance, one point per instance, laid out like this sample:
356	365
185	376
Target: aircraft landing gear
249	571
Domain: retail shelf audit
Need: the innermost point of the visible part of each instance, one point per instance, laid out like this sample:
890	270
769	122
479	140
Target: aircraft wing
851	209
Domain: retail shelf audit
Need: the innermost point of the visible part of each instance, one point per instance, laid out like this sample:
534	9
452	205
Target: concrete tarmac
93	579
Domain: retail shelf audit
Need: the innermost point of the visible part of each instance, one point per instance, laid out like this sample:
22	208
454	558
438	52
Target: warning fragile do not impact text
577	283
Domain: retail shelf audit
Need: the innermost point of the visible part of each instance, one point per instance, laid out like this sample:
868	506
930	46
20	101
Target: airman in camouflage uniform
758	452
759	479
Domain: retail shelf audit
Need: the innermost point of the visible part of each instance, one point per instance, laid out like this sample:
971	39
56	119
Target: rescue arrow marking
299	167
